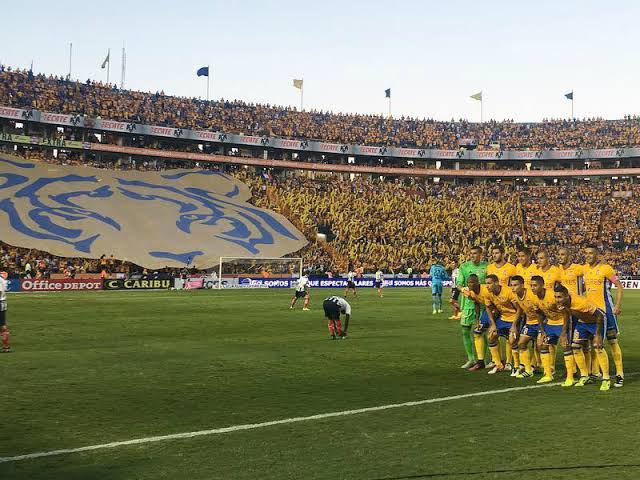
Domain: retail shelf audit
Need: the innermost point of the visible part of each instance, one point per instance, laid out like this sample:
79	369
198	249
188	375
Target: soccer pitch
94	368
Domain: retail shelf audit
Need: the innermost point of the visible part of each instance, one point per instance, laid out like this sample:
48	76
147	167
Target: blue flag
203	71
569	95
387	93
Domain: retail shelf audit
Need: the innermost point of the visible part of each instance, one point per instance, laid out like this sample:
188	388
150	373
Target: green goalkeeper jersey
466	269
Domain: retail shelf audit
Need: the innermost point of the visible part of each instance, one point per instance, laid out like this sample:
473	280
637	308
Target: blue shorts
553	333
584	331
504	328
530	330
436	288
377	284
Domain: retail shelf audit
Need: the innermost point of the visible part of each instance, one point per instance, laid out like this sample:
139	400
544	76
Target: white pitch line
251	426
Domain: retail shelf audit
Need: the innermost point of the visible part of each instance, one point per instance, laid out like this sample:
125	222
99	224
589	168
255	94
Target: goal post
236	267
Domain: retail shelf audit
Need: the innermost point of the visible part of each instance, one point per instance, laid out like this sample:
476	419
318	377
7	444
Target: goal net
233	270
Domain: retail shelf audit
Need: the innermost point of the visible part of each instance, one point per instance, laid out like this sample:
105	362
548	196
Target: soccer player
591	325
570	273
455	294
4	330
551	332
351	283
379	282
550	273
527	269
500	267
500	318
478	267
301	292
504	270
598	279
334	306
528	303
438	274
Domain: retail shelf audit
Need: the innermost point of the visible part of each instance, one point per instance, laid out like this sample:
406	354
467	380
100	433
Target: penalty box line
252	426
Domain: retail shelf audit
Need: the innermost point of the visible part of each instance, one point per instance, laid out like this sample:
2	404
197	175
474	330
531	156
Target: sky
523	56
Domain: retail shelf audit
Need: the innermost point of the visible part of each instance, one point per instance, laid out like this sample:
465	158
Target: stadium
215	288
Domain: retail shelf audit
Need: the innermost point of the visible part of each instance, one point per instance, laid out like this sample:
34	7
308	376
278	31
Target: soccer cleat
508	366
439	310
6	350
545	379
290	308
524	374
479	365
332	337
595	377
619	381
495	370
583	381
568	382
514	372
605	385
469	364
452	317
434	312
490	365
306	309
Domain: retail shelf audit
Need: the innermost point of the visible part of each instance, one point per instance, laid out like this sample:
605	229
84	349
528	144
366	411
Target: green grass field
94	368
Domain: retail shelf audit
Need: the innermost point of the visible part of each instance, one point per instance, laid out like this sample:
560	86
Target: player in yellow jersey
590	326
500	319
550	273
551	331
527	269
500	267
504	270
528	303
598	279
570	273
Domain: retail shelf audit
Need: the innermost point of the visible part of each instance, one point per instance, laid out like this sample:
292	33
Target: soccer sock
331	330
434	302
495	354
546	363
525	358
536	356
603	361
480	344
516	357
508	353
616	353
581	362
5	335
439	302
588	361
467	341
552	356
570	364
595	368
339	325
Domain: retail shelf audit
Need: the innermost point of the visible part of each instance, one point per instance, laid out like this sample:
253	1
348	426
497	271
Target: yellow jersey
527	273
570	277
548	306
505	303
582	308
504	273
529	305
551	276
597	282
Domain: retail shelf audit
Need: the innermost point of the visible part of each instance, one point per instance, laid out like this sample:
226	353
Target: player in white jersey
301	292
351	283
455	293
4	330
379	282
333	307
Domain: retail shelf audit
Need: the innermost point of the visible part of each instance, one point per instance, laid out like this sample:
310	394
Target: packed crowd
22	89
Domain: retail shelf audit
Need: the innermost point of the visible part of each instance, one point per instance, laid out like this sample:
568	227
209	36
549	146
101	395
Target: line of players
536	306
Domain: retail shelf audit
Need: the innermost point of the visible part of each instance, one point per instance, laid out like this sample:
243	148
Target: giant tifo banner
81	121
153	219
331	282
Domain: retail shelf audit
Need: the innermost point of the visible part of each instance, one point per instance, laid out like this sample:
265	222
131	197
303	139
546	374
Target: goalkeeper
478	267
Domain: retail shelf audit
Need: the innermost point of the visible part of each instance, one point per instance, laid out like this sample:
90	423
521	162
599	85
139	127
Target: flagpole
481	109
302	96
70	56
572	105
208	77
389	106
108	64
